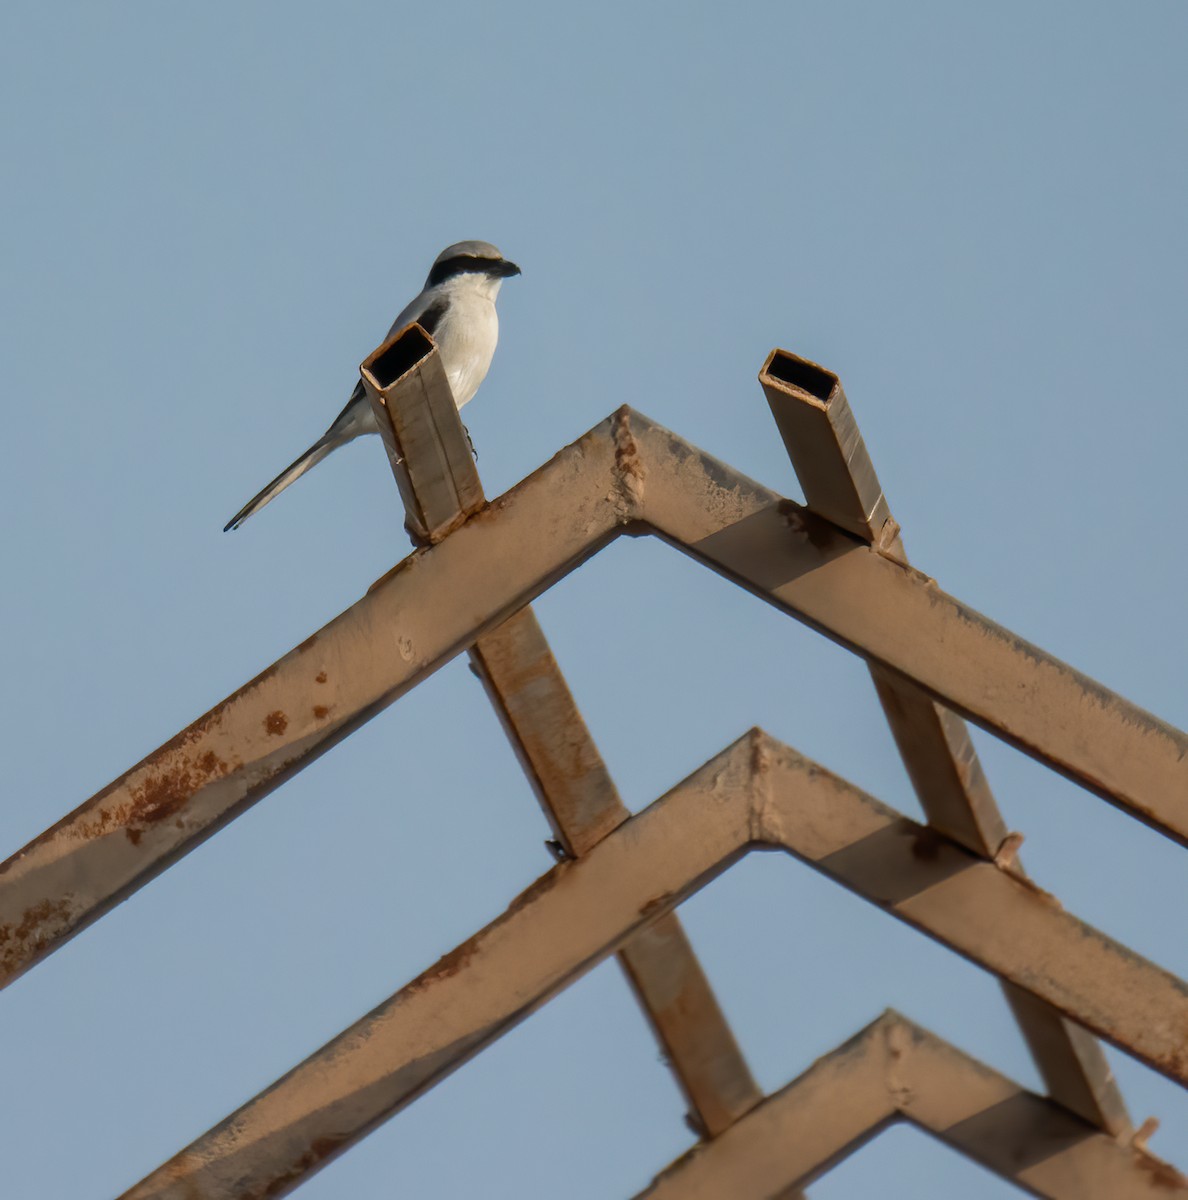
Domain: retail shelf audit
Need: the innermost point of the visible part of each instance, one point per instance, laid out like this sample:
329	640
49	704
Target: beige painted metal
896	1071
755	793
412	621
582	804
435	470
550	738
899	619
822	438
840	483
426	443
625	474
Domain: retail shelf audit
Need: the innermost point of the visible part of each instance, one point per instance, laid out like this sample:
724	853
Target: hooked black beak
506	269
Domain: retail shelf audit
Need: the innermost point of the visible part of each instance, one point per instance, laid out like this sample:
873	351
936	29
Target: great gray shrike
457	308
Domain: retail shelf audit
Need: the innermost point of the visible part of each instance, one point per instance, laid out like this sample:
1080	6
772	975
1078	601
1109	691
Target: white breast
466	339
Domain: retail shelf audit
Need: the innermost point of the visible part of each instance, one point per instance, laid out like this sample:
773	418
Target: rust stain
276	723
628	464
1162	1174
320	1149
535	890
39	926
657	904
321	712
308	643
162	793
403	565
445	967
320	677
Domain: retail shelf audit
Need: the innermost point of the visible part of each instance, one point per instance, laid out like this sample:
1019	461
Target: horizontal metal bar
894	1070
839	482
757	792
439	600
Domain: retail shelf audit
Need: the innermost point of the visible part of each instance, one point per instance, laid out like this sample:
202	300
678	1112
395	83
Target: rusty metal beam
755	793
626	475
840	483
896	1071
822	438
427	446
431	458
582	804
548	734
572	918
899	620
411	622
997	919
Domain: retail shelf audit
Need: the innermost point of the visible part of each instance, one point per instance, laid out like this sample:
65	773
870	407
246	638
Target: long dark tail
310	458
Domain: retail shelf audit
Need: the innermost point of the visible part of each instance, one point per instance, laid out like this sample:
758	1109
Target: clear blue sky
975	214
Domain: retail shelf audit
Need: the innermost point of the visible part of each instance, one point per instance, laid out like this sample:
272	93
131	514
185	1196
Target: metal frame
441	488
756	794
840	483
838	565
895	1071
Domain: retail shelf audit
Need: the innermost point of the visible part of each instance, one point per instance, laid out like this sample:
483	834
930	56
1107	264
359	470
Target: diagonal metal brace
839	482
430	455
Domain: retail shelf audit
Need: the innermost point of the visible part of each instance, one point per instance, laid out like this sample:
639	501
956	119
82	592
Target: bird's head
475	262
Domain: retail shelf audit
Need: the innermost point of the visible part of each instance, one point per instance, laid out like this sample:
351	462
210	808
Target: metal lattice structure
836	564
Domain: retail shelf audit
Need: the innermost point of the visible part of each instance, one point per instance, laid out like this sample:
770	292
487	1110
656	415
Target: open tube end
785	370
397	356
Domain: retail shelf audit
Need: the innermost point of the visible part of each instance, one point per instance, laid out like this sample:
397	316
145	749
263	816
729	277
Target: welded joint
896	1039
765	825
1006	857
630	473
899	1036
889	543
1143	1134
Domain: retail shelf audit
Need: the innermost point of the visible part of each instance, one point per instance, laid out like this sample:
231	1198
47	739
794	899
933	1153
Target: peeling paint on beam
896	1071
756	793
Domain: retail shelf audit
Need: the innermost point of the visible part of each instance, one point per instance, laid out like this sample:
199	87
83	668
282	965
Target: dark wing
430	319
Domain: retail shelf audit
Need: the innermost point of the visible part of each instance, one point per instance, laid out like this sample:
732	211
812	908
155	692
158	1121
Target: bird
456	307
